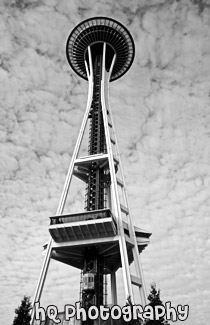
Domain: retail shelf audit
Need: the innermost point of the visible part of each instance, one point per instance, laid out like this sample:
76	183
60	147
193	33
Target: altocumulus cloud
162	117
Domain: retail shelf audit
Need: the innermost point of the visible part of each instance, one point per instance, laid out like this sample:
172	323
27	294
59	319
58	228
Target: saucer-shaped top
99	30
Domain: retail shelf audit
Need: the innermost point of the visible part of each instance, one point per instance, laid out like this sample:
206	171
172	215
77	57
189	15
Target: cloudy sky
161	111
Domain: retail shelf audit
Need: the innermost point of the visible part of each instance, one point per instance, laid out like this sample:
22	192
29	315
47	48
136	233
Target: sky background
161	110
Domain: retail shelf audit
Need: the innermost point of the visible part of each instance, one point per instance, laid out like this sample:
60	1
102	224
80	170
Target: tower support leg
114	188
42	278
61	205
113	288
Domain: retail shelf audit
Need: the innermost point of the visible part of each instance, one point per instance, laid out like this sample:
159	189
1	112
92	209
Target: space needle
101	238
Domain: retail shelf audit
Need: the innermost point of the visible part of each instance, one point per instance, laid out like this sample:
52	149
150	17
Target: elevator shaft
93	271
95	194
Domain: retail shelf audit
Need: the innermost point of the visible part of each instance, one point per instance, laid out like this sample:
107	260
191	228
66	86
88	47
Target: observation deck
92	32
92	228
85	225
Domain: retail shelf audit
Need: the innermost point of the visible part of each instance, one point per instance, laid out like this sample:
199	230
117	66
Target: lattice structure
97	144
102	238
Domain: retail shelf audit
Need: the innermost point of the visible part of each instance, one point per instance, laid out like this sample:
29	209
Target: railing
83	216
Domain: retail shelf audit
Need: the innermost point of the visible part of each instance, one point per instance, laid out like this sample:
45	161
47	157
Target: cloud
161	113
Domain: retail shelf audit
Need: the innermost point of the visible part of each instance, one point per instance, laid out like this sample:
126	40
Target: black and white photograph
105	162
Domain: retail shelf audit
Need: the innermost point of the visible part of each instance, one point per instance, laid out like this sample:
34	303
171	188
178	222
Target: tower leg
113	288
46	262
42	278
114	187
142	289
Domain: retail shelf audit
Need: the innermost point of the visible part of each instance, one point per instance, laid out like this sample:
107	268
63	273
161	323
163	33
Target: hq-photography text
128	313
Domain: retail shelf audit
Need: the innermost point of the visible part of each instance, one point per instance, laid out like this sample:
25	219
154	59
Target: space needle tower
101	238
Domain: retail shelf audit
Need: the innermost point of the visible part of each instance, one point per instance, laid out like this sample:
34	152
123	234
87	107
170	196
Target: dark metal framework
96	30
95	195
95	191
